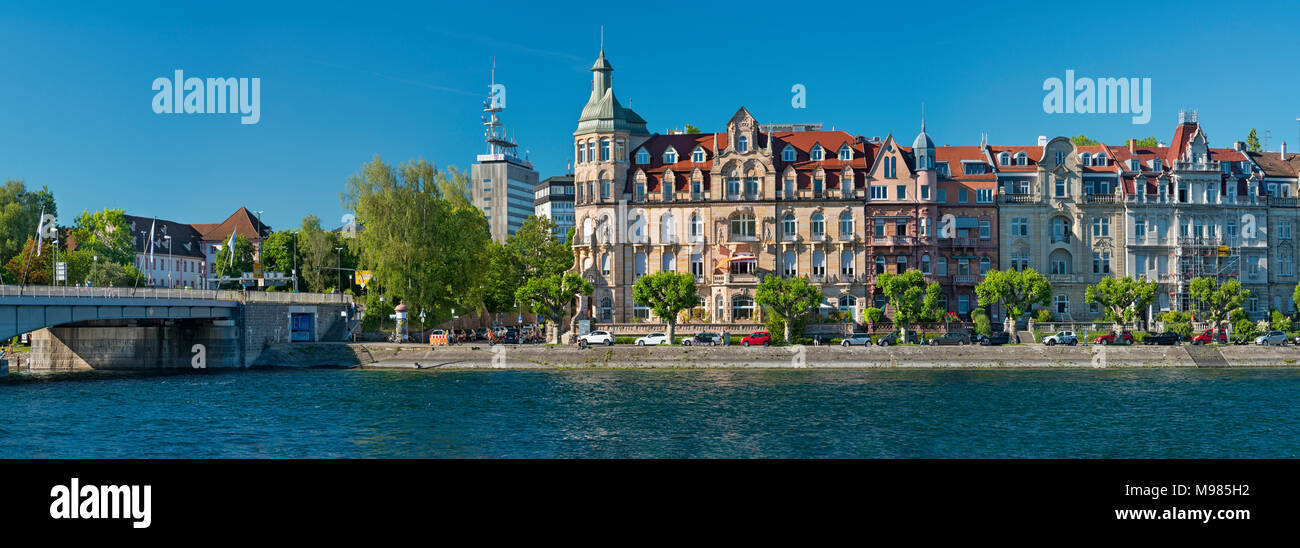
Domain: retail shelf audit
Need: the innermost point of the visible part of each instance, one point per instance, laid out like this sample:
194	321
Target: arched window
697	155
642	156
788	225
985	264
670	156
667	229
1004	158
1022	159
818	225
849	305
604	150
819	264
638	265
846	224
789	154
1100	159
846	153
789	185
880	264
605	263
722	310
636	229
697	228
790	264
588	231
925	264
1085	159
817	153
742	308
846	263
581	153
670	263
742	144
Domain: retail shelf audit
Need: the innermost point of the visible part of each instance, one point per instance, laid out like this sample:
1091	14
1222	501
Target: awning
967	222
742	257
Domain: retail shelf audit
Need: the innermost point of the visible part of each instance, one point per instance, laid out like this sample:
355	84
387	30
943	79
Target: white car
599	337
1061	337
652	339
1272	338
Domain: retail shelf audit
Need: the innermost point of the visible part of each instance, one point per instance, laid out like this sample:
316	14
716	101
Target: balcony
1017	198
1061	238
1212	165
1282	202
963	242
965	279
1099	199
1062	278
892	240
697	196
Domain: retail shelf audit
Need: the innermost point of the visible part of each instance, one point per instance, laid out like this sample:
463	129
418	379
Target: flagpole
40	221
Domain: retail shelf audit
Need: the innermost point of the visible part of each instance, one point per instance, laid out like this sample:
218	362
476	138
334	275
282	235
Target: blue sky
343	83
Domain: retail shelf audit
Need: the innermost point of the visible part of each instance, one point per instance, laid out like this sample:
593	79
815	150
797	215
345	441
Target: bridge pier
136	345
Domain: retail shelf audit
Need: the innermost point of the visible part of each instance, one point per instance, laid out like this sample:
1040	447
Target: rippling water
657	413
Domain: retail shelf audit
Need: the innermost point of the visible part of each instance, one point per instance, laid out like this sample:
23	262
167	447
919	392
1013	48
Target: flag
231	247
151	264
40	232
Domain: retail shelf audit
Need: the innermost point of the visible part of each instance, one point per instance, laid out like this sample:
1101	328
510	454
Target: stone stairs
1206	356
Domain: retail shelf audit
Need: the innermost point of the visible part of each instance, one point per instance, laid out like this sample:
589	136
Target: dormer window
817	153
1085	159
942	168
1100	160
1134	165
742	144
788	154
642	157
846	153
973	168
1060	157
697	155
670	156
1004	159
1022	159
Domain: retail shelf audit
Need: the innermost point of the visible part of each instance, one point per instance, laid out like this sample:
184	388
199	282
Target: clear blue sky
341	84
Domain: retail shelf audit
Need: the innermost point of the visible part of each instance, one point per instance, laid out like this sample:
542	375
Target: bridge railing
167	293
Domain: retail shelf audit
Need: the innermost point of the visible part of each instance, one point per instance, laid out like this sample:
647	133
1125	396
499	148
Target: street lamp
421	323
94	266
295	261
340	268
169	254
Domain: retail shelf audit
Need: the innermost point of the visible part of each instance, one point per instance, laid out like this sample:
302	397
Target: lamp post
295	261
94	266
340	268
169	254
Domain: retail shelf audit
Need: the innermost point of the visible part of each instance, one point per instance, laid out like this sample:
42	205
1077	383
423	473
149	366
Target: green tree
20	210
423	240
553	296
243	260
982	324
1295	296
1280	321
38	270
874	315
1083	141
537	250
1218	298
692	130
278	252
1122	299
1177	322
906	293
1242	325
1252	142
1148	142
106	234
1016	290
789	300
667	294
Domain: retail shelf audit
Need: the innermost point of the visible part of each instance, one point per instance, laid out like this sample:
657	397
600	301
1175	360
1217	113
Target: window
604	150
942	168
733	188
847	305
789	186
670	156
582	152
925	192
963	195
1004	159
604	189
1140	229
1019	226
1060	187
1100	160
620	151
1060	266
819	264
901	192
788	154
1101	262
742	308
986	229
640	311
878	229
846	263
697	265
743	225
963	304
1062	304
880	264
1284	264
742	144
984	195
963	267
1060	157
669	263
790	264
604	263
697	155
639	265
877	192
1022	159
942	196
606	310
1101	227
925	226
751	188
1284	230
817	153
925	264
941	266
1085	159
818	225
818	181
788	227
697	228
642	157
846	153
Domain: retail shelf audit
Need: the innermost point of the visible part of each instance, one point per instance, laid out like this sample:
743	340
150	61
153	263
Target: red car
1209	336
758	337
1126	338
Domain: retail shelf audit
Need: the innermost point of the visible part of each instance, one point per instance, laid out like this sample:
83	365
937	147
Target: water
657	413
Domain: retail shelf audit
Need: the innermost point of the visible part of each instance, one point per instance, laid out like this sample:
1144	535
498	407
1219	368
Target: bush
874	315
1140	336
1043	315
982	324
1280	321
1178	322
1244	328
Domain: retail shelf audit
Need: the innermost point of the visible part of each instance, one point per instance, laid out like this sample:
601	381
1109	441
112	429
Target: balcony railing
1061	238
1017	198
963	242
1211	165
965	279
1099	199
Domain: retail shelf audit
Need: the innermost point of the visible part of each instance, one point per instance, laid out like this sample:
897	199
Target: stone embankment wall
135	347
267	324
378	355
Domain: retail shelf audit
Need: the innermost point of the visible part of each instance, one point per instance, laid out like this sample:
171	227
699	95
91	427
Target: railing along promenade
167	293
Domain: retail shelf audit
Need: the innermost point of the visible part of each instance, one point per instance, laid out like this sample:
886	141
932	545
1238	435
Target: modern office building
553	199
502	182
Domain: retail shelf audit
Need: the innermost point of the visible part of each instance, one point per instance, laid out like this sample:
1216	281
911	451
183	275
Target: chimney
1042	140
1132	146
1283	153
1239	146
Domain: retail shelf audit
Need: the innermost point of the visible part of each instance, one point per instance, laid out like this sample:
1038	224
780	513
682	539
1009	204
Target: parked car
1166	338
1272	338
1211	336
481	334
892	339
509	336
951	339
653	339
599	337
857	339
1126	337
998	338
703	339
1061	337
757	338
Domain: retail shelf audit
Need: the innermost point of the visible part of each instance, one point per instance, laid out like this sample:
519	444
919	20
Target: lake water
656	413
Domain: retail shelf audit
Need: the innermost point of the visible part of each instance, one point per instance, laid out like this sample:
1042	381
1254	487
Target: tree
1016	290
873	314
106	234
982	324
906	293
789	300
1122	299
39	270
1252	142
537	250
279	251
20	211
692	130
667	294
243	262
553	296
1280	321
1149	142
423	239
1083	141
1295	296
1218	298
1177	322
1242	326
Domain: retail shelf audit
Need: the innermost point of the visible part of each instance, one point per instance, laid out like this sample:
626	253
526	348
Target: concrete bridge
148	328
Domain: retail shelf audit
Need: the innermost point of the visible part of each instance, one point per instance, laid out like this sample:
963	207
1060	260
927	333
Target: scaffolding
1198	257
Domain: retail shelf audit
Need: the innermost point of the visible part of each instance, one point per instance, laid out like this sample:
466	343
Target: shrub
1043	315
1280	321
1244	328
1178	322
982	324
874	315
1140	336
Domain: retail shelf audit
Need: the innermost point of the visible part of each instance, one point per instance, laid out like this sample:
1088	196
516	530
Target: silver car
1272	338
856	339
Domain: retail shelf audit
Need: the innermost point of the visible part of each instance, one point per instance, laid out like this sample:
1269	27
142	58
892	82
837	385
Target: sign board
1223	251
257	270
61	272
363	277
